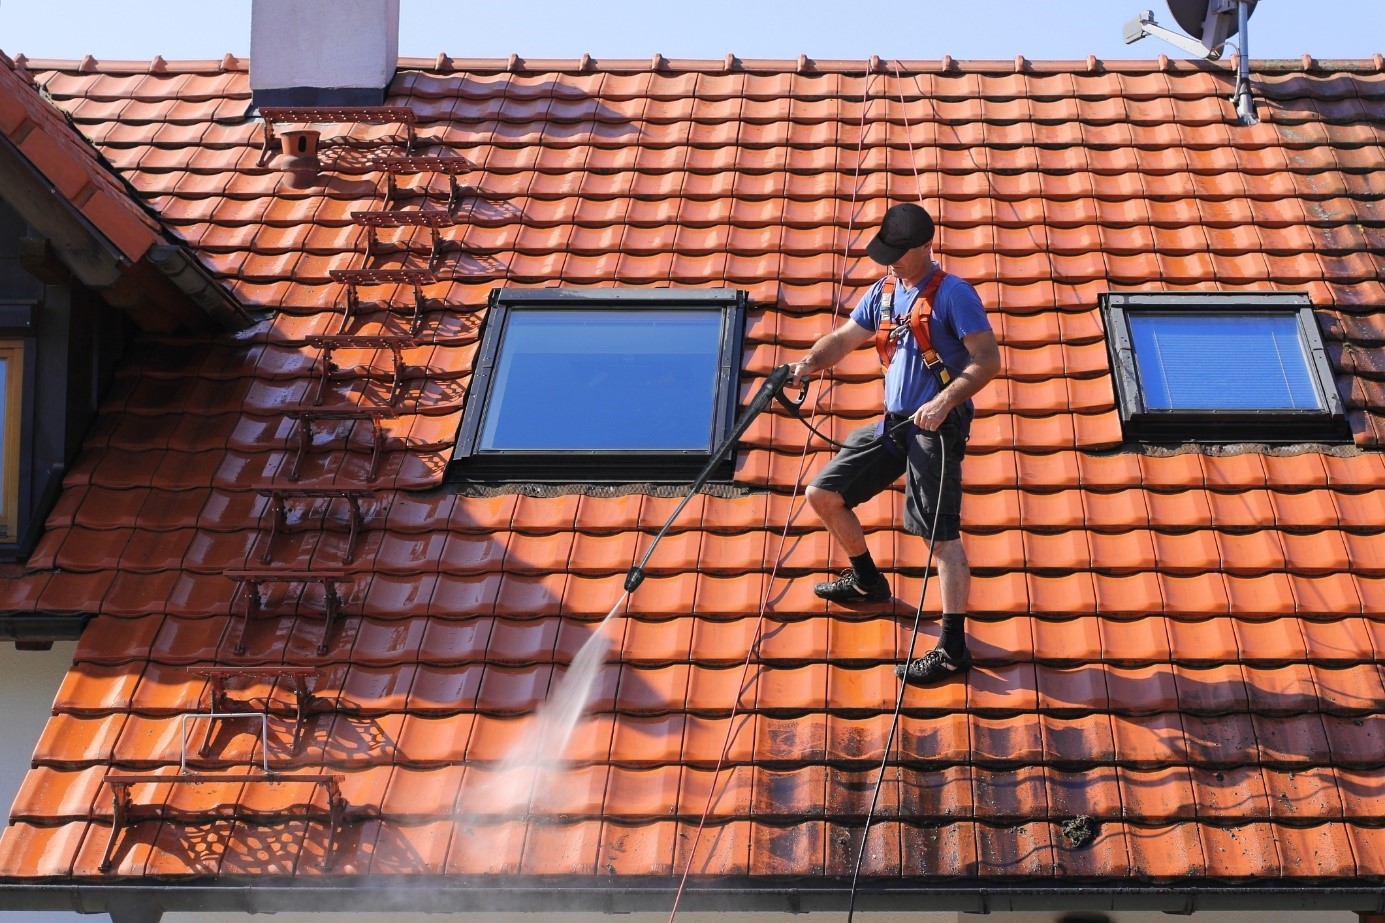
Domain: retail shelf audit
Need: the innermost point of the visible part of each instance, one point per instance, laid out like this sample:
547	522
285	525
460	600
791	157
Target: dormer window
613	385
11	420
1221	368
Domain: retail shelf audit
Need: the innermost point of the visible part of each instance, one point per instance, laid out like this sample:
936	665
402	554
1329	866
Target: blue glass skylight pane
595	379
1222	362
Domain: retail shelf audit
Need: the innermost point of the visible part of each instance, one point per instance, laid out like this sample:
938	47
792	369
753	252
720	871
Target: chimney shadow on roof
515	111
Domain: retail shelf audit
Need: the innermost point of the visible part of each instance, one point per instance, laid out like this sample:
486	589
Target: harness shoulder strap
918	323
918	320
884	344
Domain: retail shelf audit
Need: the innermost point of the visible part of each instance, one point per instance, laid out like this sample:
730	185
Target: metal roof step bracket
211	716
323	787
395	343
253	579
451	167
353	279
280	496
224	705
305	417
397	218
383	276
335	115
415	312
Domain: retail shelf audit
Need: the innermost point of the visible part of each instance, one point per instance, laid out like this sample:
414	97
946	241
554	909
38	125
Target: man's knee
821	499
951	553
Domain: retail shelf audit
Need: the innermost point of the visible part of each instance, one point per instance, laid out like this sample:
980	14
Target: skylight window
609	385
1221	368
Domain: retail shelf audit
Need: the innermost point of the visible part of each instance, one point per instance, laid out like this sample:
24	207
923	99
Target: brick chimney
322	52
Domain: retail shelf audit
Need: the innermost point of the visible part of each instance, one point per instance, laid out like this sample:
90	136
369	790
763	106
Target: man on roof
938	350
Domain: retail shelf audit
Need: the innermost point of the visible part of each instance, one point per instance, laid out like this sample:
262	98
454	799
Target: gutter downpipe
42	628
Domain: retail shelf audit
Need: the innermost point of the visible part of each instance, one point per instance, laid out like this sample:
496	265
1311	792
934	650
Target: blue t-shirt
957	313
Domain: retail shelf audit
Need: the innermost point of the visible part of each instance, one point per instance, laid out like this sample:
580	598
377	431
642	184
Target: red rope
908	134
783	536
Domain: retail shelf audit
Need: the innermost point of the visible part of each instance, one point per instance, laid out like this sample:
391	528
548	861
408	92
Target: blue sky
905	29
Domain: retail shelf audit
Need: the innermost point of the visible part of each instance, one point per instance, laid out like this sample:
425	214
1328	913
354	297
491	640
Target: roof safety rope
923	591
795	510
909	133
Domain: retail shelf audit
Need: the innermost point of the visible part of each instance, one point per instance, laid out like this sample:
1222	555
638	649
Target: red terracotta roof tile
1180	645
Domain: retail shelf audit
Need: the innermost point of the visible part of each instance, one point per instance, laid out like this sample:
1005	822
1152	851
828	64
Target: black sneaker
933	666
848	589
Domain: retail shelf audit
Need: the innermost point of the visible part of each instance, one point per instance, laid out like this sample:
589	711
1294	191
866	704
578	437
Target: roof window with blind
1221	368
609	385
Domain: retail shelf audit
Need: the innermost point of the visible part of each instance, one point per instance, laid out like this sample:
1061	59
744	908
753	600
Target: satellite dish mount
1207	24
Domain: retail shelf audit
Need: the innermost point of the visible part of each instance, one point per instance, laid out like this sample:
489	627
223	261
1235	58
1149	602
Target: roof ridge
227	63
732	63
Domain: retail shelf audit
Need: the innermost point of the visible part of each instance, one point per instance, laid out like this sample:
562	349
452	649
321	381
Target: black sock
954	638
866	571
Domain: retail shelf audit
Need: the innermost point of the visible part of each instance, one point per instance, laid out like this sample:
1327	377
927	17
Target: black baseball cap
904	227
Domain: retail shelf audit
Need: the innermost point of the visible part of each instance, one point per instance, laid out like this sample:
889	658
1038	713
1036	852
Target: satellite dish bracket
1144	25
1208	25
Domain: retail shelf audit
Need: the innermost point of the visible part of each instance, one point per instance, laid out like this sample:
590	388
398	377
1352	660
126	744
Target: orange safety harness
888	333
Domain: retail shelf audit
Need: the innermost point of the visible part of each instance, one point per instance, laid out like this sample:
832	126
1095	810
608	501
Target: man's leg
934	499
857	473
841	522
954	575
862	582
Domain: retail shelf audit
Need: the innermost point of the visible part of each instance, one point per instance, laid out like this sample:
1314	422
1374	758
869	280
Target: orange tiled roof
40	133
1183	647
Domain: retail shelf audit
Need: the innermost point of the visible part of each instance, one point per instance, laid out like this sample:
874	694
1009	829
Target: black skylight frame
472	463
1277	425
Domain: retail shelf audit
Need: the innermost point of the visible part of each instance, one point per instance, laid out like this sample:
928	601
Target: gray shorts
867	466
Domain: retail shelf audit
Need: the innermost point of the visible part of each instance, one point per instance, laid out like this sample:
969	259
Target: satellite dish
1207	25
1210	21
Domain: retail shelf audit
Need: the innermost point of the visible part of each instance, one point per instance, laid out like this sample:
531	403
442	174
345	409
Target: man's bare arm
831	349
983	363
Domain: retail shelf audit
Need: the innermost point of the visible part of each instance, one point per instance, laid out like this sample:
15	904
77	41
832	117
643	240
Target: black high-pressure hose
772	388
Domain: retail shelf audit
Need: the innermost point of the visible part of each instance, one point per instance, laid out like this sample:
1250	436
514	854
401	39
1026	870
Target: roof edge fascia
88	253
92	257
189	276
609	894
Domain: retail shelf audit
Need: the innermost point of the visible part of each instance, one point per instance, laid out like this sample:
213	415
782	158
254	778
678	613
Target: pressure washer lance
771	389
